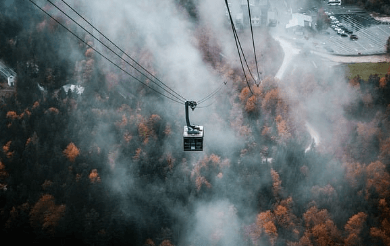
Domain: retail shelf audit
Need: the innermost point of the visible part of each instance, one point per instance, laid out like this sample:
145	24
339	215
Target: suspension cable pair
173	96
239	47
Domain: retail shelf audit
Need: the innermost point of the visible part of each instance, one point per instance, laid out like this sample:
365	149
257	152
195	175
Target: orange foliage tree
265	222
148	128
94	176
166	243
71	152
46	214
284	215
383	231
6	149
284	134
378	178
149	242
320	227
354	227
354	173
271	100
276	183
208	163
12	115
3	175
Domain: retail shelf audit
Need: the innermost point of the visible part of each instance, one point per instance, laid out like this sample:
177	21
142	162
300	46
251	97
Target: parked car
341	32
353	37
346	30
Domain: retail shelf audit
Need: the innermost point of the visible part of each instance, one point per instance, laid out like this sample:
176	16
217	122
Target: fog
168	35
268	157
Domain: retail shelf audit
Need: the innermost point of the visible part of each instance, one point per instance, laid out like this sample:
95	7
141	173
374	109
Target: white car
340	32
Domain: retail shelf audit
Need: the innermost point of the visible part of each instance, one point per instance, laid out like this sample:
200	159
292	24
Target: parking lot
370	35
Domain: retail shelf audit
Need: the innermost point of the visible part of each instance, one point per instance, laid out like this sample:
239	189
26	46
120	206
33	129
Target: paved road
289	52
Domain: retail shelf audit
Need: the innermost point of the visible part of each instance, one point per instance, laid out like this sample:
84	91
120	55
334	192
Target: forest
106	167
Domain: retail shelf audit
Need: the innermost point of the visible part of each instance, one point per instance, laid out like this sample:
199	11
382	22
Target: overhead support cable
105	57
253	42
178	98
242	52
237	41
211	94
121	50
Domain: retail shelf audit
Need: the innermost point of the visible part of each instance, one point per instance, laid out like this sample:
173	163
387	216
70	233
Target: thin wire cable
211	94
208	105
243	54
122	50
235	39
181	99
104	55
114	51
253	41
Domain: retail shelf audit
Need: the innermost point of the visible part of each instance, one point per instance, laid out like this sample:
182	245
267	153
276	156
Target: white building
8	73
74	88
259	12
11	81
299	19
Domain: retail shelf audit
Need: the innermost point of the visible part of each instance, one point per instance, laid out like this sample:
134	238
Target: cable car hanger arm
192	105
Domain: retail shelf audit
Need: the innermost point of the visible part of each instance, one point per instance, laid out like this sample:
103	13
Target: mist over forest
301	160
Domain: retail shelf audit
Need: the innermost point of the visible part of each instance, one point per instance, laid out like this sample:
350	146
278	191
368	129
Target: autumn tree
166	243
383	231
149	242
271	101
354	173
12	115
276	183
266	224
283	131
46	214
94	176
354	227
3	175
319	226
378	178
283	214
6	149
71	152
149	128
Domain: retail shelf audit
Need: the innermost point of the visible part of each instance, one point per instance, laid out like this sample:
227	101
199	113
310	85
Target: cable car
193	141
193	135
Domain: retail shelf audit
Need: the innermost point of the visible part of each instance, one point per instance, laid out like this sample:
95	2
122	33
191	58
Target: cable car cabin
193	138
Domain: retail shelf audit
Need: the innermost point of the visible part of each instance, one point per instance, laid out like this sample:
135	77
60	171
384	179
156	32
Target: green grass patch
364	70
